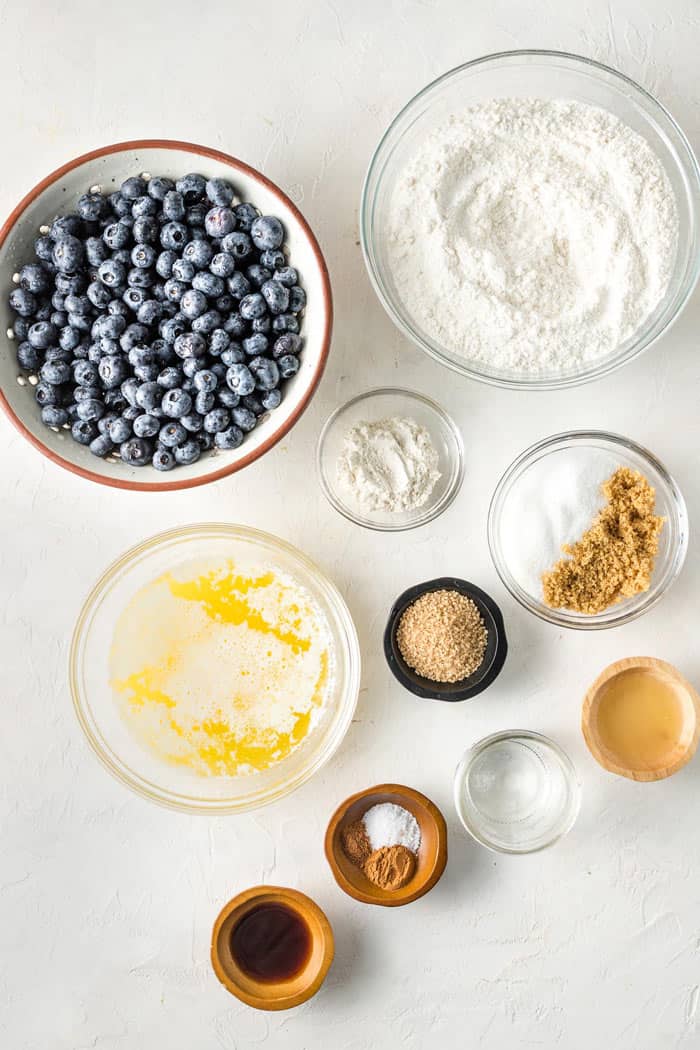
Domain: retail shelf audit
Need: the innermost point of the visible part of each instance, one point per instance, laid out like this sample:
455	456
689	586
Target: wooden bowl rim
368	897
630	663
300	903
327	301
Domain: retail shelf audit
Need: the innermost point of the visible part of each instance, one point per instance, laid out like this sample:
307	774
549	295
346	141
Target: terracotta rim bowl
432	853
272	995
107	167
683	749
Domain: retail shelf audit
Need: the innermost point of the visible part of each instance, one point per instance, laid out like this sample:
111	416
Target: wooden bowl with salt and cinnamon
401	870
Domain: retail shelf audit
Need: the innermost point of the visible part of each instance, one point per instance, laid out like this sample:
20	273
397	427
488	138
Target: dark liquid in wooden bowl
271	942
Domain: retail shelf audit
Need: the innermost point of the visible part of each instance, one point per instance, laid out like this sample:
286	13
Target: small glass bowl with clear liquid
516	792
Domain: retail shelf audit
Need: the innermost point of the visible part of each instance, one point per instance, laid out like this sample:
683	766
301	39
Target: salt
389	825
553	503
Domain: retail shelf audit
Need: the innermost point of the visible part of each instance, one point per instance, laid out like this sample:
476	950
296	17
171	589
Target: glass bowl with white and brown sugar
445	640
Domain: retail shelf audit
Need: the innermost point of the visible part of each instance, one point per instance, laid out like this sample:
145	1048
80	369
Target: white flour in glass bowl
532	235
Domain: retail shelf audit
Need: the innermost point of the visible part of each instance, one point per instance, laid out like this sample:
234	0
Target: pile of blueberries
161	320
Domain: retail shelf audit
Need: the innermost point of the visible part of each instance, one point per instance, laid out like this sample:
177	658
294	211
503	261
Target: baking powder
389	465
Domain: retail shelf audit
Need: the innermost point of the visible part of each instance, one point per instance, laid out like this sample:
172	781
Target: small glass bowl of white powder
390	459
530	219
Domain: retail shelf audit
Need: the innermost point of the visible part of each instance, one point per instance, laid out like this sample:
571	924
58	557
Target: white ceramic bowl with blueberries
175	332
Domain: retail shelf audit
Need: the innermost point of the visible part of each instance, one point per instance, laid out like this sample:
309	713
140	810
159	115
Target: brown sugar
390	867
356	843
614	559
442	636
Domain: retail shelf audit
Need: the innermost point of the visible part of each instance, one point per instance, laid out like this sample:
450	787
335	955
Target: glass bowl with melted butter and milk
214	668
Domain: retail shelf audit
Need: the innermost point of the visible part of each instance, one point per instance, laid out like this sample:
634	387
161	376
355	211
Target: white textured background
106	902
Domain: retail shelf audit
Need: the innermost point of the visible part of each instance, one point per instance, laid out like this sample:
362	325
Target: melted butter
640	719
232	669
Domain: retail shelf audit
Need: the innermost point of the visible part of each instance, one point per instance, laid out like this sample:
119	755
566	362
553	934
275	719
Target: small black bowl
494	657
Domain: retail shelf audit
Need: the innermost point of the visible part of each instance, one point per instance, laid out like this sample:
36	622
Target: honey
640	719
220	668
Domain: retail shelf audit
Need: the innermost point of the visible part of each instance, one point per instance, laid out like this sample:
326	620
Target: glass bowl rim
690	169
433	512
117	767
570	773
555	616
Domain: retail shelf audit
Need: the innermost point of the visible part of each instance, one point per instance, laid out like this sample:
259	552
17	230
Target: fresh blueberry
252	306
230	438
217	420
115	321
134	297
287	343
53	416
80	321
297	299
133	187
139	278
90	409
267	232
146	426
143	256
170	377
144	207
43	249
189	366
148	396
192	187
23	302
246	214
285	323
176	403
20	327
42	334
192	422
44	312
68	338
34	278
55	353
233	355
66	225
204	402
129	389
218	342
238	285
55	372
28	357
183	270
174	236
173	206
288	366
120	430
67	283
258	275
146	373
145	230
114	401
276	296
172	434
273	259
99	295
226	397
140	355
84	431
136	451
96	251
190	344
219	192
131	412
92	206
119	205
240	379
171	328
244	418
105	422
207	322
193	303
46	394
174	289
219	221
111	273
112	370
287	276
163	459
205	440
188	452
102	445
205	380
149	312
256	345
271	399
235	326
116	235
266	372
165	262
199	253
225	303
78	304
159	186
237	244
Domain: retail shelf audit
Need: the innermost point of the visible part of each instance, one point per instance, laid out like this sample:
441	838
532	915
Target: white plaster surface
106	902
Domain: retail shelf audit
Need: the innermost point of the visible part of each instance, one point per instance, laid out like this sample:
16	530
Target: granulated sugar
532	235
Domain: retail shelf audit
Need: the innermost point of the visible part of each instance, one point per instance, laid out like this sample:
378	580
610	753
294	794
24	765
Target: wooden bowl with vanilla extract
431	857
641	719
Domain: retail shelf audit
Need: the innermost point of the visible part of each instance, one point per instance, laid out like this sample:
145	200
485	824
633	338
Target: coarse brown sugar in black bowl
494	655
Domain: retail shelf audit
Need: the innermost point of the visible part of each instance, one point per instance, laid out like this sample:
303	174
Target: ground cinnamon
390	867
356	843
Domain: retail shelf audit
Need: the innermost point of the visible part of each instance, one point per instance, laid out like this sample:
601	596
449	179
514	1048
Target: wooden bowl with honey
430	857
272	947
641	719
